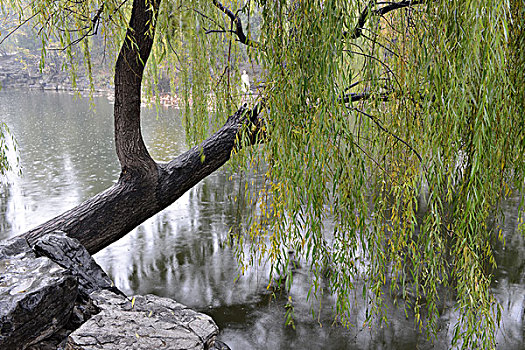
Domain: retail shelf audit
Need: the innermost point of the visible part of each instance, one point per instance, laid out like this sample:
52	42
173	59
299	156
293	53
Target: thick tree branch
110	215
355	96
368	12
238	31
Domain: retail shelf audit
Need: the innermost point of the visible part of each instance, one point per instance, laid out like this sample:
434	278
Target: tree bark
144	187
129	70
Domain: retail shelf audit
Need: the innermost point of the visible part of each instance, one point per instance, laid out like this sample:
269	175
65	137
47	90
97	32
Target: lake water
67	155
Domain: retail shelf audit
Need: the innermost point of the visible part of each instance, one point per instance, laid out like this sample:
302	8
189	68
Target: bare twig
374	161
387	68
368	12
210	31
92	30
378	43
17	27
210	19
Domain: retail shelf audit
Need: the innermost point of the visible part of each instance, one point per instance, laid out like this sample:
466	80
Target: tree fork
110	215
144	187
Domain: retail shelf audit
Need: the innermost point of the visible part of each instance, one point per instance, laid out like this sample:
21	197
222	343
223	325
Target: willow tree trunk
144	187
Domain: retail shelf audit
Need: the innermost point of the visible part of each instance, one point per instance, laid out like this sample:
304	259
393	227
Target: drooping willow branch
380	126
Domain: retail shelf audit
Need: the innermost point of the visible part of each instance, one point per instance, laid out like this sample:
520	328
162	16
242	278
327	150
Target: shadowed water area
67	155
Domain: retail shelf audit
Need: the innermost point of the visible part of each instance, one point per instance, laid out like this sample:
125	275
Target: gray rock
38	310
70	254
143	322
51	86
35	75
36	296
55	342
219	345
15	247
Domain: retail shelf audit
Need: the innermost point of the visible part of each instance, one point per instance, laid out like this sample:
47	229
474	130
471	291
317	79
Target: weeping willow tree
401	122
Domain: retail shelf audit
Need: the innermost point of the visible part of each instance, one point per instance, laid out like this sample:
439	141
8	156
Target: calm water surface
67	155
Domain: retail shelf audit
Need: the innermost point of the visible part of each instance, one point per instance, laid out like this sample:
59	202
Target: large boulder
143	322
55	296
36	296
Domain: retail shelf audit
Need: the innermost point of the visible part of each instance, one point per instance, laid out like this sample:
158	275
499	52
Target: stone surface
143	322
70	254
15	247
40	310
219	345
36	296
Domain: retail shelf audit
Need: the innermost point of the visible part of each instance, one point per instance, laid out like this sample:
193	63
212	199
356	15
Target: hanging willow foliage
400	122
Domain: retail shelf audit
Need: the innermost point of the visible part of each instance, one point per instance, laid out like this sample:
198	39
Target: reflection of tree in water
181	253
6	226
510	256
509	277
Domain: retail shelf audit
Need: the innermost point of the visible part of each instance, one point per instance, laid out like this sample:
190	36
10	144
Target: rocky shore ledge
55	296
22	71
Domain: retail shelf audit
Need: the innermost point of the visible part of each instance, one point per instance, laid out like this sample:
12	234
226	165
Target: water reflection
67	155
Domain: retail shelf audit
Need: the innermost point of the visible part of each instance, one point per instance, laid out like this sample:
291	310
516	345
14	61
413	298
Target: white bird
245	82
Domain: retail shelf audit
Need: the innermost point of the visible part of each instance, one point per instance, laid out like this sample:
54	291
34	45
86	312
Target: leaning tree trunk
144	187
